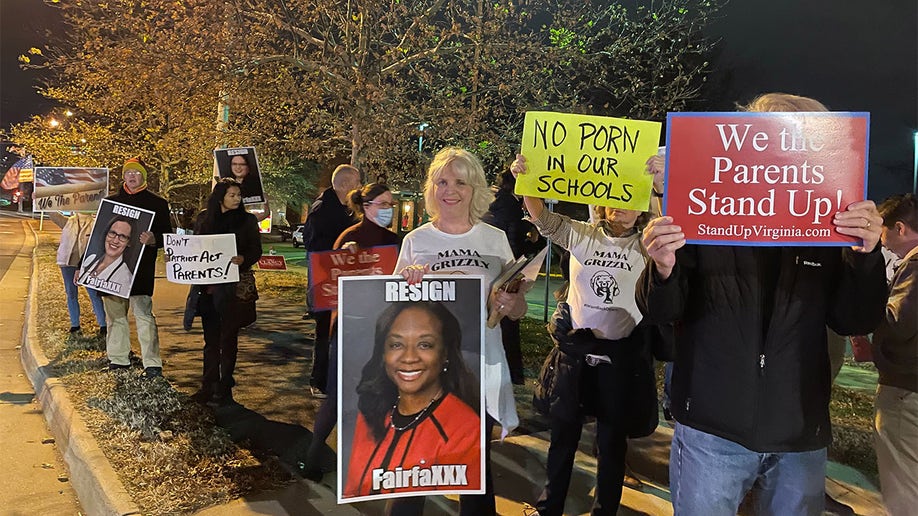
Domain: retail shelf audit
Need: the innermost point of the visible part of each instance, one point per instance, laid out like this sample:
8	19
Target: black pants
327	415
319	376
606	385
510	334
469	505
221	344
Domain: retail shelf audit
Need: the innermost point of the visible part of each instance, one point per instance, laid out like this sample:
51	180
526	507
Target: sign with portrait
769	179
588	159
69	188
325	267
411	416
113	252
200	259
241	164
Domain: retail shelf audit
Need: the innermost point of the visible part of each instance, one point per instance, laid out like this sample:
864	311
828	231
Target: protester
374	205
224	309
118	343
456	195
602	365
415	400
751	379
506	214
328	217
75	232
895	353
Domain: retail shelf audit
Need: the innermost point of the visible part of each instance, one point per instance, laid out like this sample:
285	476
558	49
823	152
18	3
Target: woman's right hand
413	274
518	166
661	239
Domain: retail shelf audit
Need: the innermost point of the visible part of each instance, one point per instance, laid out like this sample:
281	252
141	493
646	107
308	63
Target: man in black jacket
751	381
118	342
328	217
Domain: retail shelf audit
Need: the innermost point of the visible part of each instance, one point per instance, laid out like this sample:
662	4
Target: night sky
852	56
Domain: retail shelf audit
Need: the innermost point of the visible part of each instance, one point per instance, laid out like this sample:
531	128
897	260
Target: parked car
285	232
297	236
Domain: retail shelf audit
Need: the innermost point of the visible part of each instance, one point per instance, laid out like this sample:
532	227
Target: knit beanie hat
135	164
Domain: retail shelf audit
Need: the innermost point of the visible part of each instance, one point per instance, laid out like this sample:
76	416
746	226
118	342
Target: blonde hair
468	168
771	102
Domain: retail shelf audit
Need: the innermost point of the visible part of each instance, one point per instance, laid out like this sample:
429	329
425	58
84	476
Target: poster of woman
241	164
410	361
114	248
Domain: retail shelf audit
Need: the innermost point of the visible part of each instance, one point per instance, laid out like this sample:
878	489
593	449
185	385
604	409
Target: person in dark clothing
222	312
751	380
118	340
328	217
506	213
374	205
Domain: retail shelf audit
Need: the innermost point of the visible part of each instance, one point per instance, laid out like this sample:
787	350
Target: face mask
384	217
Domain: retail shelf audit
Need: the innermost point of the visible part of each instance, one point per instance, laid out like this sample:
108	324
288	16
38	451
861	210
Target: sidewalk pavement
275	413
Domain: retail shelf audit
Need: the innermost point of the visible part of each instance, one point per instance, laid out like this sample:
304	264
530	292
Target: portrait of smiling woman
415	402
109	264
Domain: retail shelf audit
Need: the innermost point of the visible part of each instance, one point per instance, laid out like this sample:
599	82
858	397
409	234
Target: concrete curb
97	485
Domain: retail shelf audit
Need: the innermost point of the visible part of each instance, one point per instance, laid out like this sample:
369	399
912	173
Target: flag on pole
12	177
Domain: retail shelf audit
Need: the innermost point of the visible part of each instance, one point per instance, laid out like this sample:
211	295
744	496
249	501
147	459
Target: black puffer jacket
752	363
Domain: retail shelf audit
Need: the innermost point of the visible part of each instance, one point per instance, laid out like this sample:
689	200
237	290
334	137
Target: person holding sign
75	232
374	205
134	193
751	380
602	333
455	241
223	308
415	400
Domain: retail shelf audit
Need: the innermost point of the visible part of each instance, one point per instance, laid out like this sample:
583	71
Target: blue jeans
73	298
709	476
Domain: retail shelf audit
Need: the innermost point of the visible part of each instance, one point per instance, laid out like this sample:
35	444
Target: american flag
50	176
11	179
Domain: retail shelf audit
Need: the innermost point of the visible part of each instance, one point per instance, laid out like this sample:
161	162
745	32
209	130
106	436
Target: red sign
325	267
272	263
764	178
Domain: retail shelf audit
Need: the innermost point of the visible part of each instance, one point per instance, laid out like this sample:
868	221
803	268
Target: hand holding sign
661	239
860	220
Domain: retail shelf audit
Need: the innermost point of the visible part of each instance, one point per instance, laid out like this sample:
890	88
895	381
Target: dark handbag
245	288
557	392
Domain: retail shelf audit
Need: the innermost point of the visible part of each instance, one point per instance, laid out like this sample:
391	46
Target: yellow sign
588	159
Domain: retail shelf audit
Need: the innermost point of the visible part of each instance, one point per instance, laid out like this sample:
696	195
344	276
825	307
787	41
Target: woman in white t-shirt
455	241
599	332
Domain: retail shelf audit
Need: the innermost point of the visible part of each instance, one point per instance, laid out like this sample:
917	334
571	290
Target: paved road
29	477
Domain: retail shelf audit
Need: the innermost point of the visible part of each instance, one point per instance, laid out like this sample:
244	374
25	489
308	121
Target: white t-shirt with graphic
481	250
604	272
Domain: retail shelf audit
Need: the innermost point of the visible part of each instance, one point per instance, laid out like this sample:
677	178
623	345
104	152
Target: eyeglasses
133	173
239	164
121	238
381	204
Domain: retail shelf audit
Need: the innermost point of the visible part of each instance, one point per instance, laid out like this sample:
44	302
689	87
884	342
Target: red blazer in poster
439	452
764	178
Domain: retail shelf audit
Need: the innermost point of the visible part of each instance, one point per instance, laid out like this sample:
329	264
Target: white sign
200	259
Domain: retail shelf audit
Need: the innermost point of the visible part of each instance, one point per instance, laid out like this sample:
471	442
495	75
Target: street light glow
68	113
54	122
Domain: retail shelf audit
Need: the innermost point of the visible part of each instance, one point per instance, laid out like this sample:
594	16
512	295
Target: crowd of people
745	328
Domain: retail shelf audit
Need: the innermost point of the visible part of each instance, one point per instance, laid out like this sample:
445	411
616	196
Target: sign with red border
326	266
764	178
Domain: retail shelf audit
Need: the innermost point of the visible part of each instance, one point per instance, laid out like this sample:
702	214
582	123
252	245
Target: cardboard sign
419	350
272	263
588	159
69	188
764	178
241	165
326	267
200	259
114	249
